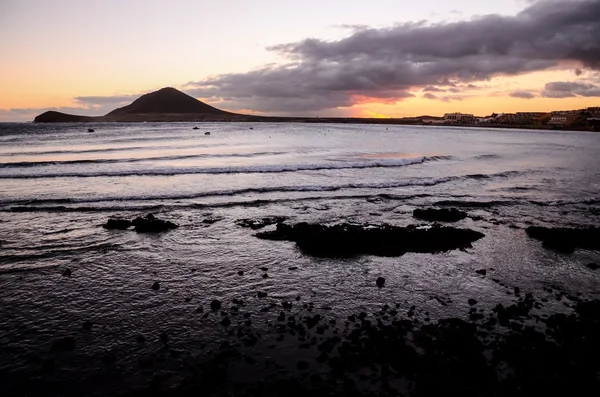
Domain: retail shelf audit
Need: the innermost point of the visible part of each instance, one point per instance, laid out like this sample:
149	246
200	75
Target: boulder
593	266
380	282
439	215
151	224
566	239
117	223
63	344
215	305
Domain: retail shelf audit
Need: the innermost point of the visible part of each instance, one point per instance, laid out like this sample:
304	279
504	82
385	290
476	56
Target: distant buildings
582	119
459	118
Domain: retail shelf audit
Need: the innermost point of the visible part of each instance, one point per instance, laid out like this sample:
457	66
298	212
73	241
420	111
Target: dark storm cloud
324	74
522	95
431	88
569	89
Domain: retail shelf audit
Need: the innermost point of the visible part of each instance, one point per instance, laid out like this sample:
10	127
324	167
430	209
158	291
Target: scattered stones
347	240
566	240
215	305
481	272
439	215
380	282
63	344
156	286
66	273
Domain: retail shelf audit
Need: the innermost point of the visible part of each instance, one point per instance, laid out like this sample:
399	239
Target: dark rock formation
439	215
347	240
380	282
66	273
117	223
482	272
256	224
565	239
156	286
593	266
63	344
215	305
151	224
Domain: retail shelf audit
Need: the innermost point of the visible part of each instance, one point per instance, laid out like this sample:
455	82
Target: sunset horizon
521	57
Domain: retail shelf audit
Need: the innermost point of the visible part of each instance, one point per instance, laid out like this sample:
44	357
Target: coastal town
581	119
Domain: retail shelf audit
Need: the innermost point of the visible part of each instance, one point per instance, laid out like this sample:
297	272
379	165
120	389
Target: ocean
60	183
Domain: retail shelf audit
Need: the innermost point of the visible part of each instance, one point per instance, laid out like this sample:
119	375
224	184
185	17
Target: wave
275	168
486	157
62	203
109	149
505	174
225	204
26	164
44	203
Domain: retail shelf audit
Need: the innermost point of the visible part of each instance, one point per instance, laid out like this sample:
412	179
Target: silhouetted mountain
166	100
58	117
166	104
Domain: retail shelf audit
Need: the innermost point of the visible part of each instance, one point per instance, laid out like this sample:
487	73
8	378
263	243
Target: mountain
166	104
166	100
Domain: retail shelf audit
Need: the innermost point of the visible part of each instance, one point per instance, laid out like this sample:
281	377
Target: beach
90	310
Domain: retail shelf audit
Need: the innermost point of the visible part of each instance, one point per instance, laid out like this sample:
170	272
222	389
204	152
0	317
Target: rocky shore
542	343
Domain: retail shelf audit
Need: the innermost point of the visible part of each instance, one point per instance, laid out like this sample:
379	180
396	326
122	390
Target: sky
385	58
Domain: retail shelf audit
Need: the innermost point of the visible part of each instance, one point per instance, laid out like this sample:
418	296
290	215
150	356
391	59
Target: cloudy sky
384	58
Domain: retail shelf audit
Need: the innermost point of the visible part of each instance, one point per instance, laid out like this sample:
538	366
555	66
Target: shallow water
59	184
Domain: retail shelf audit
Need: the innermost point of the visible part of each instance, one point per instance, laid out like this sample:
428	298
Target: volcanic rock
566	239
256	224
439	215
593	266
151	224
63	344
346	240
118	223
215	305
